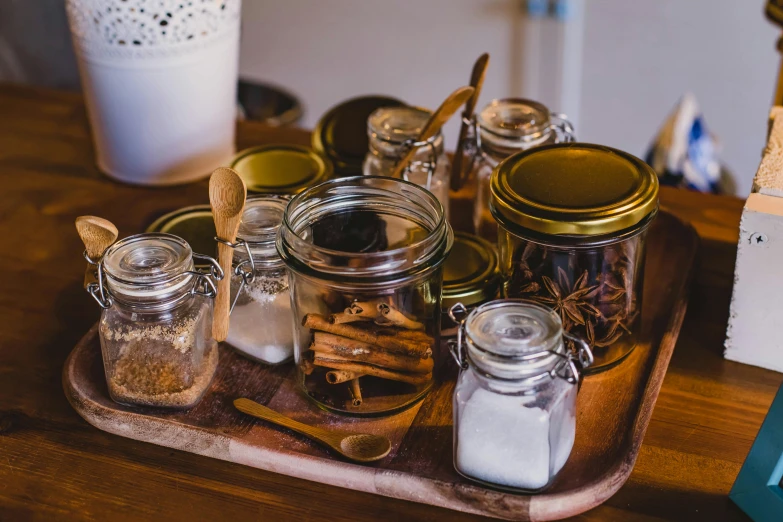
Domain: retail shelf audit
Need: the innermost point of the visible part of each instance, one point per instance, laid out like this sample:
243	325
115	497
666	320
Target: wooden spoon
97	234
359	447
446	110
458	174
227	194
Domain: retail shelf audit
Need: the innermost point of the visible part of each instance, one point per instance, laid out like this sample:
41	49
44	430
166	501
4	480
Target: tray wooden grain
614	408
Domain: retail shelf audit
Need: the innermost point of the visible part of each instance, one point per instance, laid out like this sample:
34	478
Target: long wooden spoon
227	194
97	234
458	174
446	110
359	447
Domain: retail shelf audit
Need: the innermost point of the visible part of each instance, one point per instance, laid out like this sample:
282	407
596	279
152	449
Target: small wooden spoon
446	110
458	176
97	234
227	194
359	447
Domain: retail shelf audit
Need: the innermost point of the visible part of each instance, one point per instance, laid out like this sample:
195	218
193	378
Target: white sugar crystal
263	328
502	441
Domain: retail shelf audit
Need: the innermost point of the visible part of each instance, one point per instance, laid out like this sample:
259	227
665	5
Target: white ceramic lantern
159	78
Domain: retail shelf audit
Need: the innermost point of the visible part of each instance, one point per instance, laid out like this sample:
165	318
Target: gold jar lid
281	169
193	224
341	133
573	189
470	273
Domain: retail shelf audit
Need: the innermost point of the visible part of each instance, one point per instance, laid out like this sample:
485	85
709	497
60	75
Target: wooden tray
614	409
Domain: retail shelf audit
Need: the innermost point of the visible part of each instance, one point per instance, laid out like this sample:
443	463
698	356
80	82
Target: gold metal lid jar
281	169
573	189
470	273
341	133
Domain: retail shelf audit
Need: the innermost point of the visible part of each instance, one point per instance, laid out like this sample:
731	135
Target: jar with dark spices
365	258
573	221
156	325
502	128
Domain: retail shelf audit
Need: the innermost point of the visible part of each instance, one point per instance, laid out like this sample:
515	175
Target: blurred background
615	67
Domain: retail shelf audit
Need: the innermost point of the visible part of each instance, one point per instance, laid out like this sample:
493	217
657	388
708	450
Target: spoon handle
223	297
450	105
458	172
268	414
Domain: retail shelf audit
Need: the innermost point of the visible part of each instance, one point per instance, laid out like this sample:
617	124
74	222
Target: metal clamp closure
430	165
573	361
458	313
96	288
562	127
245	269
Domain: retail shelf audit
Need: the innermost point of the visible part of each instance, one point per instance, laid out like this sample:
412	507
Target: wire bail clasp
577	360
245	269
562	127
430	165
205	281
458	313
97	288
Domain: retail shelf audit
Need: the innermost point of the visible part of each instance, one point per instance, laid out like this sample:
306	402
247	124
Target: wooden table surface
54	466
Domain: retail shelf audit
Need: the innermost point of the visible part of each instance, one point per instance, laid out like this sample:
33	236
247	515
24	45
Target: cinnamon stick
336	362
395	317
358	351
356	392
372	334
307	366
365	309
340	376
346	317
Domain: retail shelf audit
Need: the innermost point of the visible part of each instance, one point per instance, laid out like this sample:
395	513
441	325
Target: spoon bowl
358	447
365	447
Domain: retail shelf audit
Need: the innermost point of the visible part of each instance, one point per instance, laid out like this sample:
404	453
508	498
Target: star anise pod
571	302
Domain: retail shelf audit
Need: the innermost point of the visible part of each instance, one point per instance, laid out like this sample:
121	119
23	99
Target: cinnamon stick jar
573	220
365	258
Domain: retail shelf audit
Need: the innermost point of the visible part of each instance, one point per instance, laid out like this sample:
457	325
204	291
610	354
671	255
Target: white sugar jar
515	400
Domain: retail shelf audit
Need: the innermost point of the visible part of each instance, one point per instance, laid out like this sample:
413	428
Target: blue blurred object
684	153
537	8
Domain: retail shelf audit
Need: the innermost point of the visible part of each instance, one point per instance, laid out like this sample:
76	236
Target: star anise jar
573	220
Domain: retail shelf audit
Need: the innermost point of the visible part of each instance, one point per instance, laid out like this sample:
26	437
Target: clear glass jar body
260	324
594	284
506	127
156	330
365	261
391	130
510	436
159	358
515	399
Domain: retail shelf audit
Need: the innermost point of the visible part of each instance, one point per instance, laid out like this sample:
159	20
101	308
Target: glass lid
397	124
513	339
147	259
515	118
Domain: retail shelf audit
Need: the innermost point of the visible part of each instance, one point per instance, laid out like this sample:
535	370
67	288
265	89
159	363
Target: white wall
636	60
416	50
639	57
